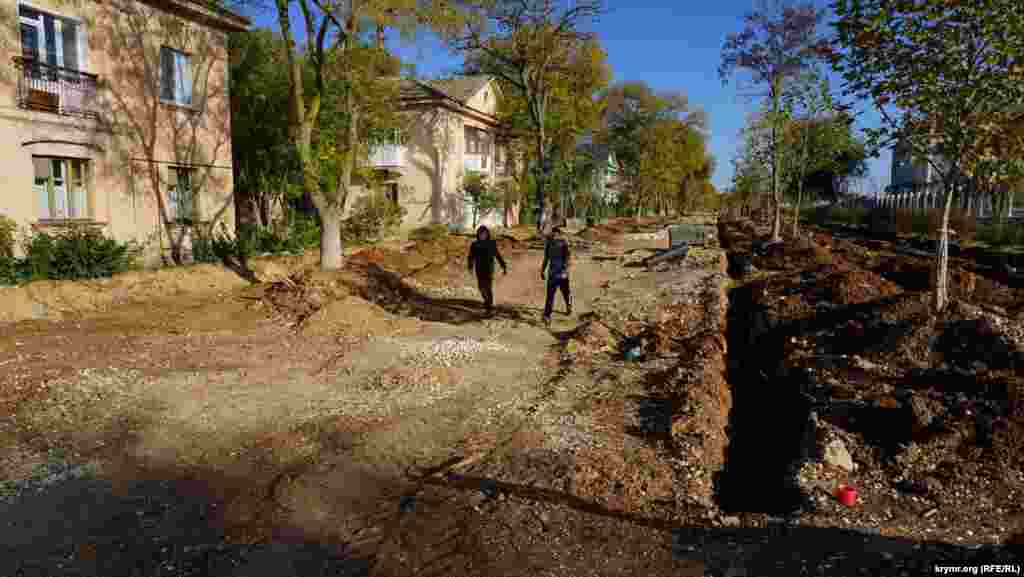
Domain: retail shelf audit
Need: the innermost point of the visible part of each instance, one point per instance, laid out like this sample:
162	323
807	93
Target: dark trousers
556	284
486	284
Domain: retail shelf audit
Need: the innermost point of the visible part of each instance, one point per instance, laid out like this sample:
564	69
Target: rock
924	412
836	455
863	364
731	521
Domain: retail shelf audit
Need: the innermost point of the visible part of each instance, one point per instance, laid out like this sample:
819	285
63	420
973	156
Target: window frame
174	196
189	90
80	41
70	189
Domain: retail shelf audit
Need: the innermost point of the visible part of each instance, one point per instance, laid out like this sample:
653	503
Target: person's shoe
568	311
546	321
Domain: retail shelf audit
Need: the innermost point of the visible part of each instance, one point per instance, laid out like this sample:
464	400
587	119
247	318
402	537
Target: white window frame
58	19
60	202
185	91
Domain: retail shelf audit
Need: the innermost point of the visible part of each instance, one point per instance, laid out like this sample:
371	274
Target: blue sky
670	44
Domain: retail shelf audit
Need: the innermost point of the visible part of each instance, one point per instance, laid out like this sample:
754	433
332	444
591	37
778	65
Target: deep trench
770	426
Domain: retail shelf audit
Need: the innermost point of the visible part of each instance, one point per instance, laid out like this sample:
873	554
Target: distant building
917	184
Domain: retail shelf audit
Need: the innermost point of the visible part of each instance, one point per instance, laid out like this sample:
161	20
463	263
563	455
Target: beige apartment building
117	114
451	131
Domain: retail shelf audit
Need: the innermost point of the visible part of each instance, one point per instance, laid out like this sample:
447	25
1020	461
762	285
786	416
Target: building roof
461	88
209	12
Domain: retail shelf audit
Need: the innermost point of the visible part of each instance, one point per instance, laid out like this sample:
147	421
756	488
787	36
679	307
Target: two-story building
116	114
452	131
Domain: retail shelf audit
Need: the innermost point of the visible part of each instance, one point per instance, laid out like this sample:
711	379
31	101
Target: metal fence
55	89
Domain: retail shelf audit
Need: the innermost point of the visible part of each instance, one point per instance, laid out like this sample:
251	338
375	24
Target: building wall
136	136
430	182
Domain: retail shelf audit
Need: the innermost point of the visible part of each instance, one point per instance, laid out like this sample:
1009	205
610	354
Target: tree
574	109
778	41
265	163
528	44
815	134
481	195
635	117
336	46
954	69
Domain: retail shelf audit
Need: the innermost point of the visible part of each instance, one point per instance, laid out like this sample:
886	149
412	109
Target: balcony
387	156
475	162
55	89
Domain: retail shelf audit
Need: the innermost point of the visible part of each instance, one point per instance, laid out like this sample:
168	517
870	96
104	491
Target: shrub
304	232
432	232
78	252
372	217
8	234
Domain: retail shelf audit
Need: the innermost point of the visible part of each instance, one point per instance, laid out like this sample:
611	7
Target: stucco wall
136	137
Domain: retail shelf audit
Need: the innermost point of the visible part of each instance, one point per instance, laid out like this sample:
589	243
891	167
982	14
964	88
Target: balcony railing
55	89
387	156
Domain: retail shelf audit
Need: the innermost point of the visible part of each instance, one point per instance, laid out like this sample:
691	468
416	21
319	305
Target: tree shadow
409	301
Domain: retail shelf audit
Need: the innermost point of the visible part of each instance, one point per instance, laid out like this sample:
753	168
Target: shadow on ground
85	527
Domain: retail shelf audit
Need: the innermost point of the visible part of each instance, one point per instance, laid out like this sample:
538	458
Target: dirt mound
58	299
859	286
357	316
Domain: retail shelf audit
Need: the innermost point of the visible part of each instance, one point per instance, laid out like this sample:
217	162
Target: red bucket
847	495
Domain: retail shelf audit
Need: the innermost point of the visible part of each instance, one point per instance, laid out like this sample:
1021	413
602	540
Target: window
175	77
51	39
478	142
180	195
61	187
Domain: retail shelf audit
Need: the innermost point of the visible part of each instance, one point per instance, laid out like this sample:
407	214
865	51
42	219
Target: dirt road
180	436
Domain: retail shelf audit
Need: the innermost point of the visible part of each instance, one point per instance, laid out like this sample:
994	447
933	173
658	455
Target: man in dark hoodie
482	253
556	264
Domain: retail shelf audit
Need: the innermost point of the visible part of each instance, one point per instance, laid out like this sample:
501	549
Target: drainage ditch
770	431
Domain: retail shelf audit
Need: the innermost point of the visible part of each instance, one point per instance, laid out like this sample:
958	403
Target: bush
305	232
373	216
8	236
1001	234
432	232
78	252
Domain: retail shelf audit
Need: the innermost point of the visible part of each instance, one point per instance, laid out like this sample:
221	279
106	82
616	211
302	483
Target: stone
731	521
924	412
836	455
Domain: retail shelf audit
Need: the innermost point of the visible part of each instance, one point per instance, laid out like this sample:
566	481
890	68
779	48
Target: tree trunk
942	258
776	200
541	176
799	201
330	240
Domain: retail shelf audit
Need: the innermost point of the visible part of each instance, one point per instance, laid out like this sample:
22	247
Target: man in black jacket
556	263
482	253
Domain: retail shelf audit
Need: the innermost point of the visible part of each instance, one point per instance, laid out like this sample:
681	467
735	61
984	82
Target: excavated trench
770	430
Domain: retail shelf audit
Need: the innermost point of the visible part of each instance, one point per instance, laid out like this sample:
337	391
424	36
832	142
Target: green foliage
1000	235
481	195
78	252
373	216
8	237
428	233
250	240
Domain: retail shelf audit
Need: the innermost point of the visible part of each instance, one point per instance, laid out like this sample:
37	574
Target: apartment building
116	115
451	131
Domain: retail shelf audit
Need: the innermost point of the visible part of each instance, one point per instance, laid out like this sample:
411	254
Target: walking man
482	253
556	263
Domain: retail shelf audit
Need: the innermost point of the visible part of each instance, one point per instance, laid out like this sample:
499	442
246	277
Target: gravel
447	352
